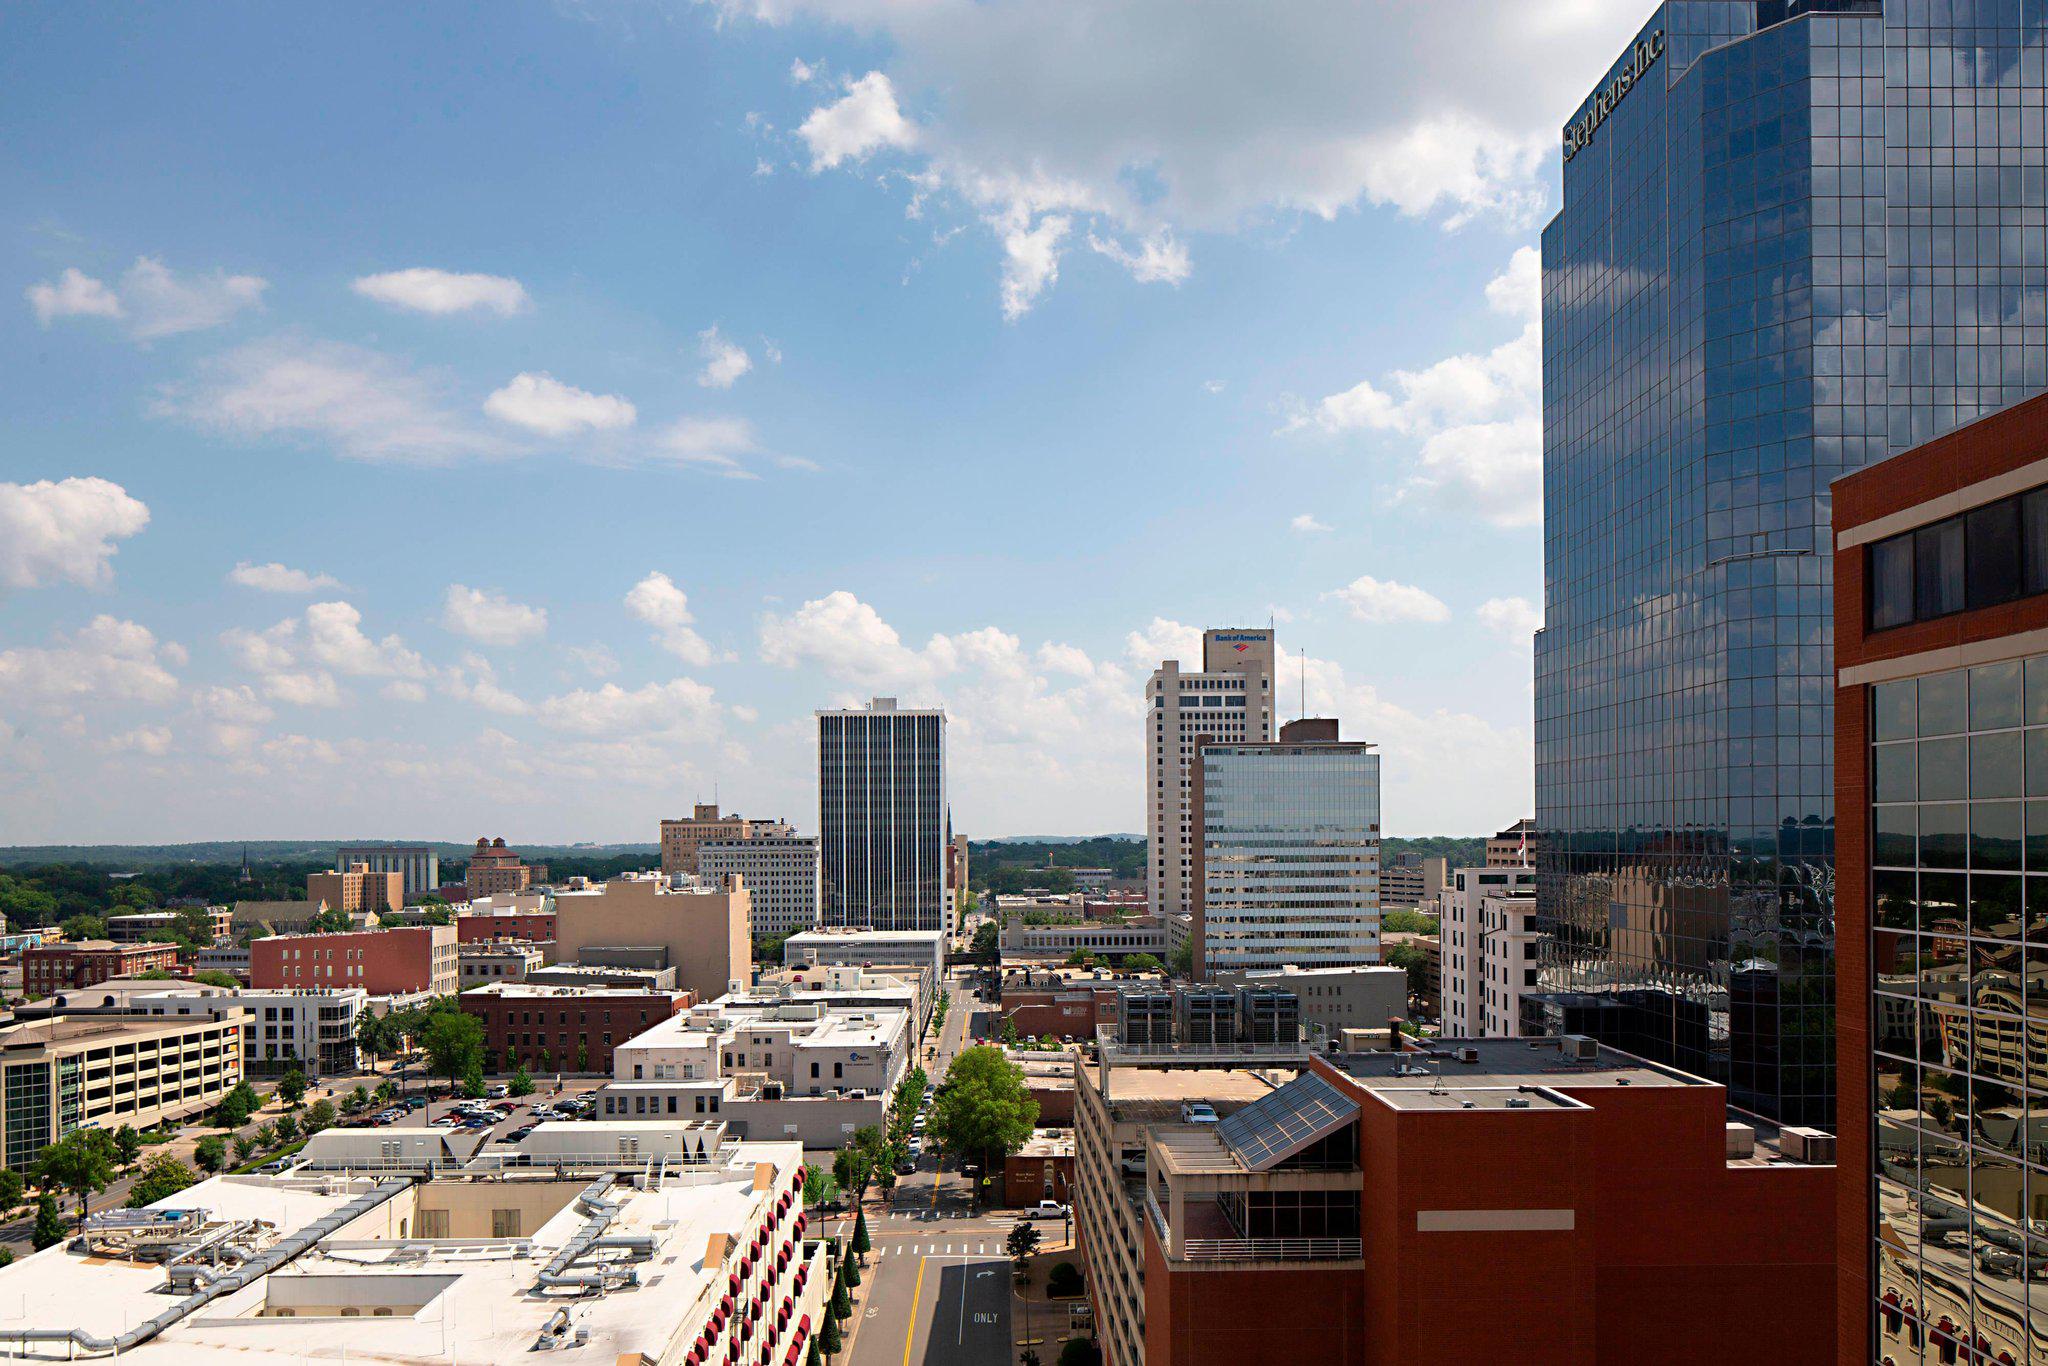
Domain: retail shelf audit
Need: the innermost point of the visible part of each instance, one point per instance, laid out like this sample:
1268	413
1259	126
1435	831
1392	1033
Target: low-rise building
231	958
780	873
634	1244
355	891
137	926
524	916
482	961
274	917
564	1029
1336	999
1057	941
701	927
74	964
857	947
105	1071
1043	1169
1066	1004
1424	964
410	959
1410	880
313	1031
1514	847
621	975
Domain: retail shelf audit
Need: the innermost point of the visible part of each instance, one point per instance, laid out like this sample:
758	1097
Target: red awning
803	1325
732	1284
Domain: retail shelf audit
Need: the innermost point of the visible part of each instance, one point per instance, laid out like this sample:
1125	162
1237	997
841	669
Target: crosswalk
928	1216
981	1249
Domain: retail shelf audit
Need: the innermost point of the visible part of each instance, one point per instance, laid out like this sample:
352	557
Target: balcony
1271	1249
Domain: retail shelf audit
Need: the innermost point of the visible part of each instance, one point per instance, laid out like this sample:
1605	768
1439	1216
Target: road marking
911	1332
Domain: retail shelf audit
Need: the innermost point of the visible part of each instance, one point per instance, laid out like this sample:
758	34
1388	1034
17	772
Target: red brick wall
1028	1180
598	1021
392	961
61	967
1255	1318
1062	1014
1055	1103
539	926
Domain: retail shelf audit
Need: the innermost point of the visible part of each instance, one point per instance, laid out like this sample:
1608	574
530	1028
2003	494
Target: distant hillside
1463	851
136	857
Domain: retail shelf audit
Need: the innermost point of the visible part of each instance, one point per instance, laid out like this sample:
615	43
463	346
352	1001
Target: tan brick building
356	890
682	837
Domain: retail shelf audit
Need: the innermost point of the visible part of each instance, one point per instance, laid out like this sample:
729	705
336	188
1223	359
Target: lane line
911	1332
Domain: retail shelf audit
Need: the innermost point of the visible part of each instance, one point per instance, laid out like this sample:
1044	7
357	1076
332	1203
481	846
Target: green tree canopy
50	1227
211	1153
161	1177
214	977
1182	960
454	1043
85	927
81	1162
291	1087
1142	962
984	1106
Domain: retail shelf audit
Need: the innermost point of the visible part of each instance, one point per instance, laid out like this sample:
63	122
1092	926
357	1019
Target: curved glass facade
1803	237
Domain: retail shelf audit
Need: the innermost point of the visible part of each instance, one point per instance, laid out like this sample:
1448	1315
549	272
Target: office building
105	1071
528	917
311	1030
682	837
1230	700
564	1029
357	892
480	961
1287	847
398	962
1357	1212
699	930
1941	752
957	888
137	927
1514	847
883	821
494	869
780	873
417	864
1332	1000
634	1243
1057	940
1468	910
1796	237
70	965
834	944
1410	881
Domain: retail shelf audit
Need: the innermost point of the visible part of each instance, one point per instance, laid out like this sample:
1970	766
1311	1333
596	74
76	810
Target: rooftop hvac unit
1815	1146
1741	1140
1208	1017
1468	1055
1580	1048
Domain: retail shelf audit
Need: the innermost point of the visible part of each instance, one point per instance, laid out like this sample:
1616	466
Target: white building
1508	967
1466	934
883	821
313	1028
880	948
781	877
1288	852
417	863
1231	699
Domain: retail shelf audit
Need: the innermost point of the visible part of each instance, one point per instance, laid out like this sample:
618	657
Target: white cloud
1158	259
75	295
490	618
801	71
1031	258
1215	116
861	122
152	299
595	660
1478	417
848	639
403	690
151	740
1307	524
334	638
681	707
423	289
1162	639
235	703
64	530
295	661
541	403
476	683
303	689
1372	599
1515	619
716	444
724	362
657	601
107	660
277	578
365	405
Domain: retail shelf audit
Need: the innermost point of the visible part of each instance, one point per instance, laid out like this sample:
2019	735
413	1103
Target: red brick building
394	962
536	927
574	1029
1502	1201
493	869
1941	736
88	962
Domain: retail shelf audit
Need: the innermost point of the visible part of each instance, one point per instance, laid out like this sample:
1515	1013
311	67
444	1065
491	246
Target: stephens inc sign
1579	132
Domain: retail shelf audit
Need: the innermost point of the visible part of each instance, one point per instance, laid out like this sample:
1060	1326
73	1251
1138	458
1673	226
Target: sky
516	419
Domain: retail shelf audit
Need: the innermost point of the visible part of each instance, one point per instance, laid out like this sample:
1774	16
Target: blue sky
424	422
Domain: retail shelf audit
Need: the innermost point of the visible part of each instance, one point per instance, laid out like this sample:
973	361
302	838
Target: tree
473	1079
1064	1280
237	1105
162	1177
6	1256
287	1127
193	926
1080	1352
454	1044
819	1187
319	1115
436	914
1023	1242
988	944
582	1056
266	1136
291	1087
11	1188
84	927
127	1145
356	1101
245	1147
1408	922
546	1060
851	1168
1081	958
211	1153
830	1336
842	1297
1142	962
50	1228
521	1083
81	1162
214	977
1009	1031
376	1035
1182	960
861	1241
984	1106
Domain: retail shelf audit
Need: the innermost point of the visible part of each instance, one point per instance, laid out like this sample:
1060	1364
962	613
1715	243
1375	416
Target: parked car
497	1090
905	1167
519	1134
1199	1112
1046	1209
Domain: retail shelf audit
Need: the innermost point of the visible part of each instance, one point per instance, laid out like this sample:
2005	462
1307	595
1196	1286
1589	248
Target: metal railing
1272	1249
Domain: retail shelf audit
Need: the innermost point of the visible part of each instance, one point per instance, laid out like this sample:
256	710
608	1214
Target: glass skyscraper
883	820
1797	236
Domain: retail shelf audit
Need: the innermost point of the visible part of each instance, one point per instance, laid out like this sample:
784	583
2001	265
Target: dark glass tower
1796	237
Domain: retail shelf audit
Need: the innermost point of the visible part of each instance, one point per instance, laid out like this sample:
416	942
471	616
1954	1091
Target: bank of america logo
1240	647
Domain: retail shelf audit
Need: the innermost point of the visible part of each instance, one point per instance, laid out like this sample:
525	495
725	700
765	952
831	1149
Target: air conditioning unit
1579	1048
1741	1140
1815	1146
1468	1055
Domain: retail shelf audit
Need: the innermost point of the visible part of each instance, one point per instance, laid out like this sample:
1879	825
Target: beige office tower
1231	699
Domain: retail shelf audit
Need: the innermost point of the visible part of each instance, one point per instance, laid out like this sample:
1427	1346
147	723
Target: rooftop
543	991
1153	1095
401	1295
1503	1063
826	933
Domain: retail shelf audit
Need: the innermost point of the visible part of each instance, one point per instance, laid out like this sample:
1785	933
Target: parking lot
511	1116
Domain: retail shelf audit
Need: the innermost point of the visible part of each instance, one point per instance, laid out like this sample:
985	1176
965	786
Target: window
1891	583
